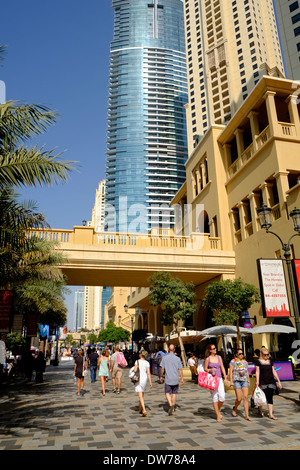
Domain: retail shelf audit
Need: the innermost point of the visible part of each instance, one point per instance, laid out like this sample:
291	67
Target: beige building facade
253	160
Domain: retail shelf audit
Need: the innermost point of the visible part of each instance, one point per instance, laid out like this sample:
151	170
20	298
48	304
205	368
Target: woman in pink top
213	364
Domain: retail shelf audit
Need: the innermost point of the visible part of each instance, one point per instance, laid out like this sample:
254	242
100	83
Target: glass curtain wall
146	142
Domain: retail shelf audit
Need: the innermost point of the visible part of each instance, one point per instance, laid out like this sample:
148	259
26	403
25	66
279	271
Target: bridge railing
88	236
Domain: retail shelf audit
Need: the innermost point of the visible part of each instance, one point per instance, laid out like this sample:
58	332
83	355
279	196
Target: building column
227	156
269	98
242	219
254	216
239	141
282	188
253	117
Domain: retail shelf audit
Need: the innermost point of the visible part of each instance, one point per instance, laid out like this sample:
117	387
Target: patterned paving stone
50	416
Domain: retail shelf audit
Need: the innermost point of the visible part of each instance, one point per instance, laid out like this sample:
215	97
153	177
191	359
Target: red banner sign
296	269
274	294
6	301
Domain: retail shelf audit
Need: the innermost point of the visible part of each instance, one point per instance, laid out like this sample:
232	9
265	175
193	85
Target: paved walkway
50	416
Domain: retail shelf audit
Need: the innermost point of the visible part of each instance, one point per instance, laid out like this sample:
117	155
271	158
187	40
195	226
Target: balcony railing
88	236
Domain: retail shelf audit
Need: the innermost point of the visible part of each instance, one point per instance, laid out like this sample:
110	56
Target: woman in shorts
240	381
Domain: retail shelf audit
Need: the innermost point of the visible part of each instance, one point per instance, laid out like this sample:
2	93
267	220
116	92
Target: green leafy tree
92	338
15	342
113	334
227	299
176	300
69	340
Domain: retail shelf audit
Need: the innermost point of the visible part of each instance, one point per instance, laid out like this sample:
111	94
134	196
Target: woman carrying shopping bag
144	375
213	364
266	378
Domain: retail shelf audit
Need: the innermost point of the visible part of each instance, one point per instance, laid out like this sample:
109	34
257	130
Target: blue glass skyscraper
146	136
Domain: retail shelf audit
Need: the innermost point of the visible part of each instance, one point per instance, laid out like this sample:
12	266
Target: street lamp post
264	214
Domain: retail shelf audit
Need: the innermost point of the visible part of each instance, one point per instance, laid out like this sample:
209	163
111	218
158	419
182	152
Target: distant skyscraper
98	212
288	16
146	147
79	309
95	297
230	45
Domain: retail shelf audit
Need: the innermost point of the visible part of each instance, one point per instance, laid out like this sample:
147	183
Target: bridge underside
89	266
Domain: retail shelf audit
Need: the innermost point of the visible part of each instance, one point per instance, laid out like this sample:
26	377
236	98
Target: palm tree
27	265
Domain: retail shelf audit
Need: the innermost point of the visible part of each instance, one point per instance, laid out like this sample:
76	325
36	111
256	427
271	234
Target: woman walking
103	366
239	379
79	368
144	369
266	378
214	365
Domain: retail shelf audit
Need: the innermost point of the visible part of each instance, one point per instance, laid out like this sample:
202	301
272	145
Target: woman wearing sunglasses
213	364
266	378
239	380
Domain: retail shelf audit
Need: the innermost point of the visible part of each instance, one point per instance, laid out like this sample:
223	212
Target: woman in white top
144	369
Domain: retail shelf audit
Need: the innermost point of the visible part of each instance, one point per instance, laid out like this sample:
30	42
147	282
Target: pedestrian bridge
115	259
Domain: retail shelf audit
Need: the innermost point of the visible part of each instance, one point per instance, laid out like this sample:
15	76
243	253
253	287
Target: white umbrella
223	330
273	329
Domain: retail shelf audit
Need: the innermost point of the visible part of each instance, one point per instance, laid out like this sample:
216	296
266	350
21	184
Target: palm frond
32	166
20	122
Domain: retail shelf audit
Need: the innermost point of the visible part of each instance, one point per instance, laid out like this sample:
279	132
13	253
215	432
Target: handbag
85	373
134	376
259	397
208	381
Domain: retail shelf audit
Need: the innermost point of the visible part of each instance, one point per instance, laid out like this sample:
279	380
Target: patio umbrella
273	329
223	330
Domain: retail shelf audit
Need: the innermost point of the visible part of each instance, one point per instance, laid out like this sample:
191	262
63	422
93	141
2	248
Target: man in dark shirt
92	362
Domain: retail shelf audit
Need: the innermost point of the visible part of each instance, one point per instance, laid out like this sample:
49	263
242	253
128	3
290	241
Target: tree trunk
238	335
182	350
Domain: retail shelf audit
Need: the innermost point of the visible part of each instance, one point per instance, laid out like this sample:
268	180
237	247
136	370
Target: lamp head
295	215
264	213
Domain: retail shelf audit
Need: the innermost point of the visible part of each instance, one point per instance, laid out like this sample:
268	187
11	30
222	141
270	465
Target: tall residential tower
146	143
230	45
288	16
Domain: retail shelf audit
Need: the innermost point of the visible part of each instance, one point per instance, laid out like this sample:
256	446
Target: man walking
172	367
92	362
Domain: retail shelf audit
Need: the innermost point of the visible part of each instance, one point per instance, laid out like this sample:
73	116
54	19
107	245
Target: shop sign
273	289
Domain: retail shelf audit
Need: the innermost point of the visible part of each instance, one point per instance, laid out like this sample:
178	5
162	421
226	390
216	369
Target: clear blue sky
58	56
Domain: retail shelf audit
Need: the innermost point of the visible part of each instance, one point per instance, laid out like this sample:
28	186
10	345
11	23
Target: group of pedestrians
266	379
103	363
171	373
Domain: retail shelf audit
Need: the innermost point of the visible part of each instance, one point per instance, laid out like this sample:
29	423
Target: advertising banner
296	270
284	370
63	333
273	289
6	302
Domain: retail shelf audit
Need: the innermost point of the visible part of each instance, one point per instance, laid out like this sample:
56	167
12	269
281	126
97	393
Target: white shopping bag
259	397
